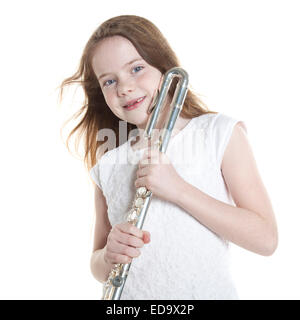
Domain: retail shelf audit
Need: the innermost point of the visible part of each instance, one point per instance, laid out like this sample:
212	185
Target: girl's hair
153	48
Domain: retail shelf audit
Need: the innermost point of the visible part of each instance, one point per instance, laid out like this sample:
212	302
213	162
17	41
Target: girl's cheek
108	98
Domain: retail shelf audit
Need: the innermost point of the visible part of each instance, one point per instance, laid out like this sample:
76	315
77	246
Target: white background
242	56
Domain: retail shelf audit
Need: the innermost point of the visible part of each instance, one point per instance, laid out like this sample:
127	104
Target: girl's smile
133	104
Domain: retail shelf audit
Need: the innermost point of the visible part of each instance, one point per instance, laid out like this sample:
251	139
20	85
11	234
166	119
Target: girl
206	189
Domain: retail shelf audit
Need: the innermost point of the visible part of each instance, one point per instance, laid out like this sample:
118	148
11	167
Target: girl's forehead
116	44
114	51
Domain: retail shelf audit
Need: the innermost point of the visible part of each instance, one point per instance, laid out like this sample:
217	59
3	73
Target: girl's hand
157	174
122	243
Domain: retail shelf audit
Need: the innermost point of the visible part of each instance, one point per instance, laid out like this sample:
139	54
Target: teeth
138	100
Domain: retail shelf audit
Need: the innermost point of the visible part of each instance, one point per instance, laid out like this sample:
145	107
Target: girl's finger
141	172
129	240
131	229
153	159
151	152
140	182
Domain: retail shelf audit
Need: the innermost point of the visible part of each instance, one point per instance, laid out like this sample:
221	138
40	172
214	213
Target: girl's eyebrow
126	64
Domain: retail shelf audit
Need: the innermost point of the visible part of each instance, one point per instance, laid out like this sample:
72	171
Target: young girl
206	189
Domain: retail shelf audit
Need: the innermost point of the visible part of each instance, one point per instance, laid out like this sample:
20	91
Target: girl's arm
251	224
99	267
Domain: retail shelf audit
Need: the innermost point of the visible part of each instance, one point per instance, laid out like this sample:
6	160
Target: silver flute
114	285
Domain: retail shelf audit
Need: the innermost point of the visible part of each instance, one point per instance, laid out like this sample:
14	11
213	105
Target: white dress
184	260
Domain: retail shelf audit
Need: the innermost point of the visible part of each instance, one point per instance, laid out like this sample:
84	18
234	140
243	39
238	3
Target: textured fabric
184	260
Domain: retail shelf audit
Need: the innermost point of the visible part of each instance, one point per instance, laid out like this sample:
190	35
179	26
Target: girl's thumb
146	237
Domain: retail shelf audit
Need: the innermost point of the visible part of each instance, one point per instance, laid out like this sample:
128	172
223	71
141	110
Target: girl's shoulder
217	127
216	121
223	122
113	155
205	120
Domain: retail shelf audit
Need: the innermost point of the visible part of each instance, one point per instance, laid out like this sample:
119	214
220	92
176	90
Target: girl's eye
138	67
107	83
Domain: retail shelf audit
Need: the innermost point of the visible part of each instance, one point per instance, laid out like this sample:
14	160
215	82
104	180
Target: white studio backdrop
242	56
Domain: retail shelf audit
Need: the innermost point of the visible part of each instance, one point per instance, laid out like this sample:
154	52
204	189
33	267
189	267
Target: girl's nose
126	86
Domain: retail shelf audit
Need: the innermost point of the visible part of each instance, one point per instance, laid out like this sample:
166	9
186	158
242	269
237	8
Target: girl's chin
142	123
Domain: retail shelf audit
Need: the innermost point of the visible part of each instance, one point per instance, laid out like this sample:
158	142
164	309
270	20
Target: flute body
114	285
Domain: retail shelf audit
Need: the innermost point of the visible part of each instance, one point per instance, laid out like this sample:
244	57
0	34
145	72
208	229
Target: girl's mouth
136	104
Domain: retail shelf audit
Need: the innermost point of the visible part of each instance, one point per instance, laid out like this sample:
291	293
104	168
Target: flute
114	285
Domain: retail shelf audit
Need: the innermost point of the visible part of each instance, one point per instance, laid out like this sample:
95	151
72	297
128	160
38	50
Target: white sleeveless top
184	260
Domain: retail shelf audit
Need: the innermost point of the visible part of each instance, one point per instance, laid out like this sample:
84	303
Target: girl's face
124	76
